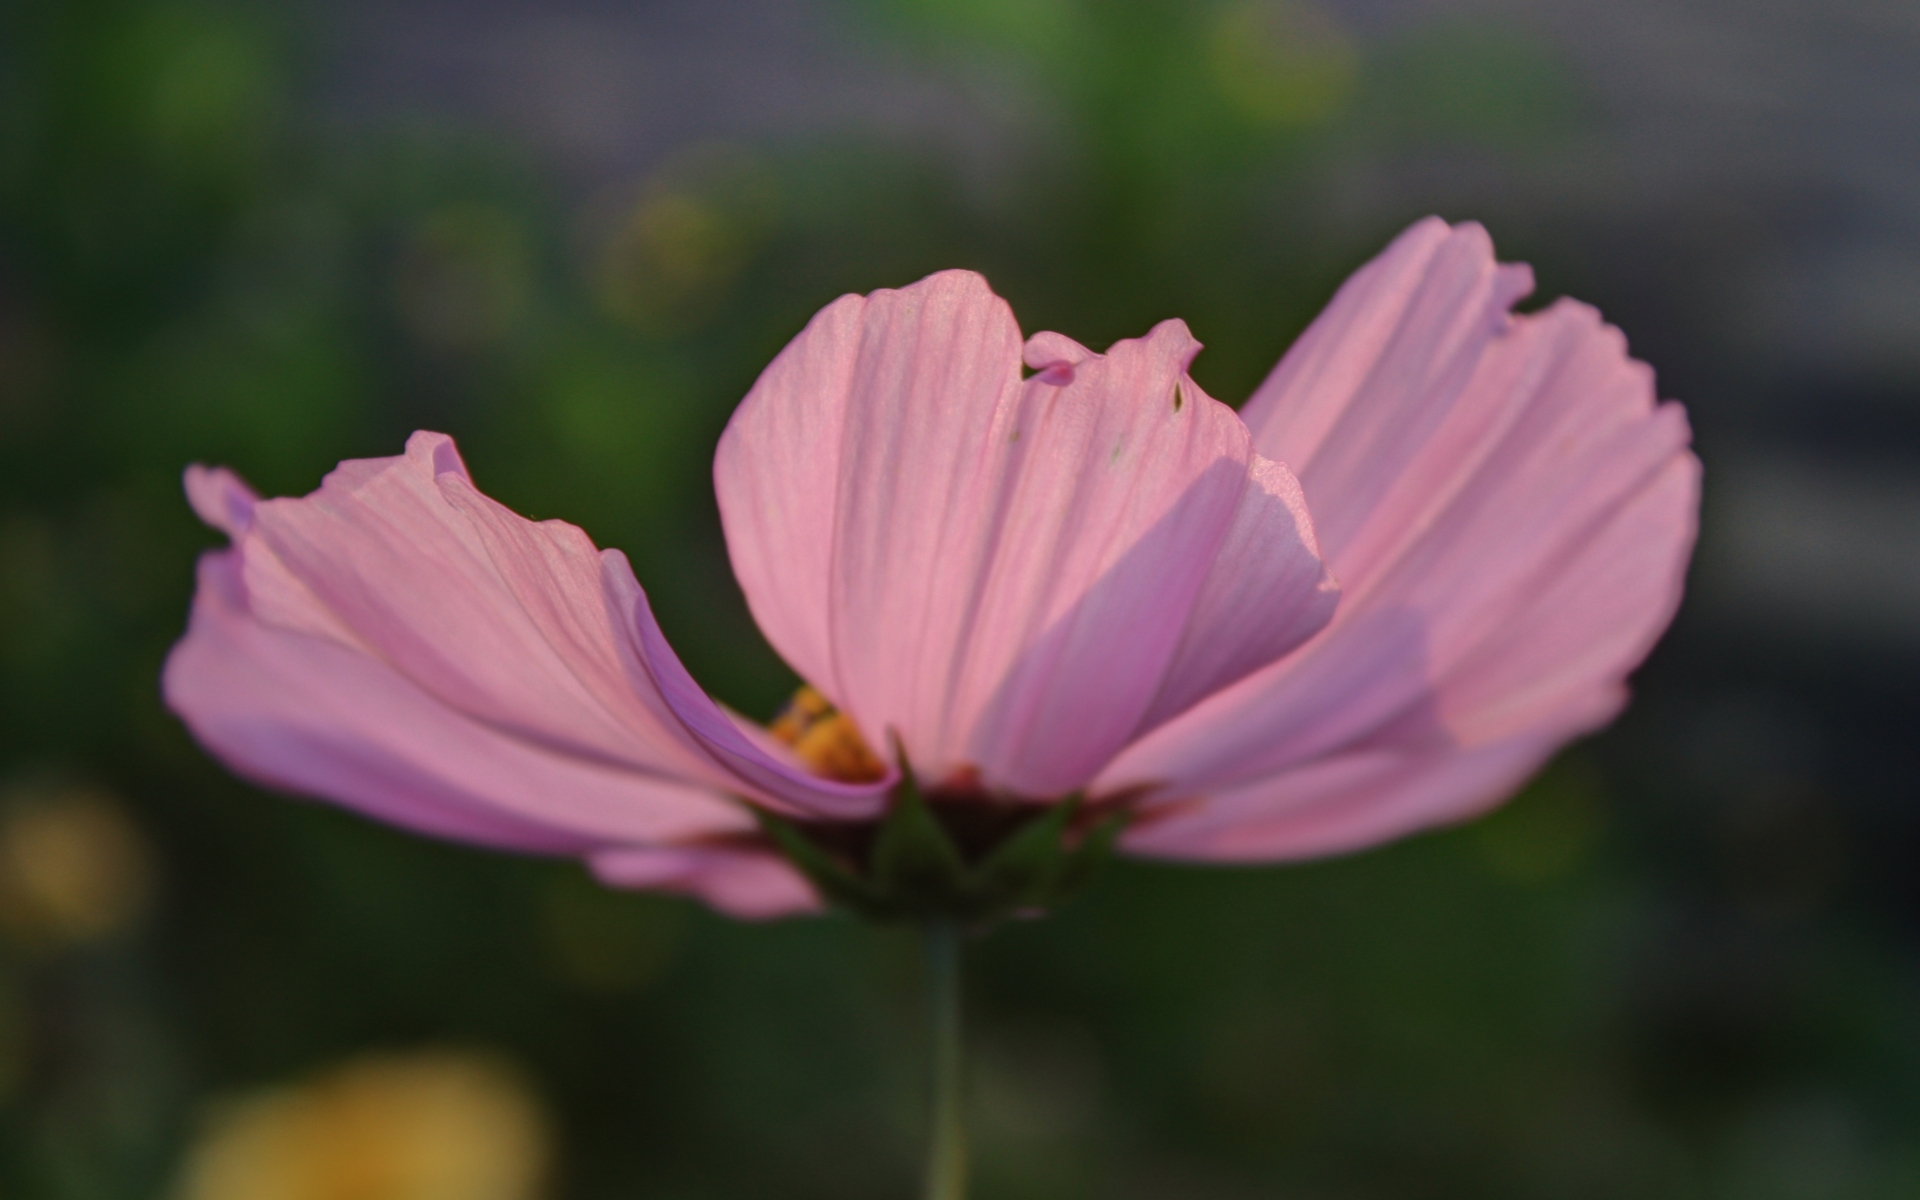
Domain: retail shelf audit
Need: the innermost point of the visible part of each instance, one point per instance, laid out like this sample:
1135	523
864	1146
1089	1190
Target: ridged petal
220	498
1510	514
1266	593
744	882
1347	801
776	474
308	714
1014	564
524	626
1369	383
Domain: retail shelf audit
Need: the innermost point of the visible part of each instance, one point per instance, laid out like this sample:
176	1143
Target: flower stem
947	1153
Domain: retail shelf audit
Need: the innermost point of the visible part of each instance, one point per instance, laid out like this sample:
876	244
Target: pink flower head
1088	578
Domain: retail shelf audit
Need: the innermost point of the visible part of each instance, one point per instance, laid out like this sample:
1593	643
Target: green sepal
915	863
837	884
1022	871
913	868
1096	846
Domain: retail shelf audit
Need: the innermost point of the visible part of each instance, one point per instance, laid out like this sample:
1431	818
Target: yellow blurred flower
73	867
423	1126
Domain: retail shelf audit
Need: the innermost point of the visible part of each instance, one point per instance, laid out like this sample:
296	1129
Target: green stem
947	1154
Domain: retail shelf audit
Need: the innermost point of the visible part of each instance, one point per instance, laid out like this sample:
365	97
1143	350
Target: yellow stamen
806	707
826	740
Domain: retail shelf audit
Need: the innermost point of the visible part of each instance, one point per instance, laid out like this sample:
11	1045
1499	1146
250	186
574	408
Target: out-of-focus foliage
1631	982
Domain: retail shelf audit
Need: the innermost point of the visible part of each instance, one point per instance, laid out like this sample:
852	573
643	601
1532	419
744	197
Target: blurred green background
1682	964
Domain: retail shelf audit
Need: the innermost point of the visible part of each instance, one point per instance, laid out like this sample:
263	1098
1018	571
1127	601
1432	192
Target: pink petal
524	626
1013	564
1503	570
1367	384
310	715
220	498
546	562
750	884
767	769
1346	802
1054	356
776	474
1266	593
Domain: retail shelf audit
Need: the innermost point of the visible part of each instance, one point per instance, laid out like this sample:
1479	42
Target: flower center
826	739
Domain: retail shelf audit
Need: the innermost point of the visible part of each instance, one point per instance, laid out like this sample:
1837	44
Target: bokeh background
1681	964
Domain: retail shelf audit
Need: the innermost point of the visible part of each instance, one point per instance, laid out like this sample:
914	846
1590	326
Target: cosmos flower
1085	583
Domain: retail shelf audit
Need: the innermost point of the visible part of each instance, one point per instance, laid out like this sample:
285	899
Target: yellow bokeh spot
826	740
1282	62
72	866
428	1126
680	245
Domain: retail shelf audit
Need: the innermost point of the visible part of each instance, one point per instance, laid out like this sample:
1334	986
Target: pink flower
1095	579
